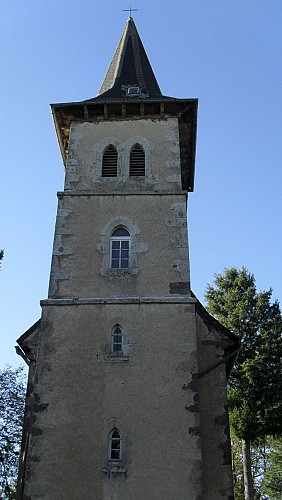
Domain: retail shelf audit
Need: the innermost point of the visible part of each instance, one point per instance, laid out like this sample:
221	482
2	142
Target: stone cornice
72	301
121	193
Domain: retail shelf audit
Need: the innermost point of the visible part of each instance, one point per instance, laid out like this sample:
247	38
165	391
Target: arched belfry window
114	445
109	165
137	161
120	248
117	339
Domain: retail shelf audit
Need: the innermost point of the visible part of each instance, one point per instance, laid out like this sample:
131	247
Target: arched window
117	339
120	246
114	445
109	165
137	161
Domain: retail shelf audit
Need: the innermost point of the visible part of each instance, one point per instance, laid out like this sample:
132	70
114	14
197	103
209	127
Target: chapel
126	395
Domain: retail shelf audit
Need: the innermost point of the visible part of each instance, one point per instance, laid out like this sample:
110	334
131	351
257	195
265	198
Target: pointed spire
130	68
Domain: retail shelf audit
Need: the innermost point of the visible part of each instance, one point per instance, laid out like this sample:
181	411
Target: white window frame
120	238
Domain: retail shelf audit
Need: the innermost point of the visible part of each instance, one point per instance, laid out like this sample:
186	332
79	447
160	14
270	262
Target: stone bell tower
127	385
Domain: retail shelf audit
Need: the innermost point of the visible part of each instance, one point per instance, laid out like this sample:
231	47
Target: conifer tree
255	384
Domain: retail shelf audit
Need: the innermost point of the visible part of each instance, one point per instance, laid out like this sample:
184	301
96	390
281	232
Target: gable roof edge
232	347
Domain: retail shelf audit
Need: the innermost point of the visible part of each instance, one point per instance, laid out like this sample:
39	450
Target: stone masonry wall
217	474
82	392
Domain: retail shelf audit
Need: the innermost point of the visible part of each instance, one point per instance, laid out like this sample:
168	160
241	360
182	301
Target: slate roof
129	67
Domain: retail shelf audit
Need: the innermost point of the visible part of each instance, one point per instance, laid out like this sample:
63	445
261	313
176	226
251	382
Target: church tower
127	383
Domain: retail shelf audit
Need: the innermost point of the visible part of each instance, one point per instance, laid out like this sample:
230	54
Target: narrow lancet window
114	445
110	159
137	161
117	340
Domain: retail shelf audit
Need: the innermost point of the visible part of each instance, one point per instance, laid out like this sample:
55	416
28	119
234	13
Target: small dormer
133	91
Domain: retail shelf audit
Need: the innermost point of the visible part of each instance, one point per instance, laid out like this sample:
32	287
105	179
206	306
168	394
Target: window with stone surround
136	247
120	248
128	161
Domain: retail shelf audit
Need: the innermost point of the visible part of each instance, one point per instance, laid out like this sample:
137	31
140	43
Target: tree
1	256
237	468
272	484
12	397
266	466
255	384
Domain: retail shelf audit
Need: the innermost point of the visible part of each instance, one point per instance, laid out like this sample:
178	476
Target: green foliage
255	384
12	396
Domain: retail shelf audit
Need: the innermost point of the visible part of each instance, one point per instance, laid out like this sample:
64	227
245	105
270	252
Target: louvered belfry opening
137	161
109	165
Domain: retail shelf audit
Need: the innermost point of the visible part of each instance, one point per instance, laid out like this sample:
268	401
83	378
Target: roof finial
130	10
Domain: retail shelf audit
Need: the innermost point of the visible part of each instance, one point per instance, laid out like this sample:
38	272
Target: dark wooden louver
110	158
137	161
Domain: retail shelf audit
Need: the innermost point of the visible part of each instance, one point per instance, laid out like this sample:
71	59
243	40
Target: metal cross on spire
130	10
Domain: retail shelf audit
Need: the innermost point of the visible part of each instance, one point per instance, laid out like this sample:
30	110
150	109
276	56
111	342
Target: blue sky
225	52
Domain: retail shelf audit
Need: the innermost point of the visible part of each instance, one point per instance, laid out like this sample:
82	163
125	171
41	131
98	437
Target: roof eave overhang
230	341
26	335
28	343
59	134
99	109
